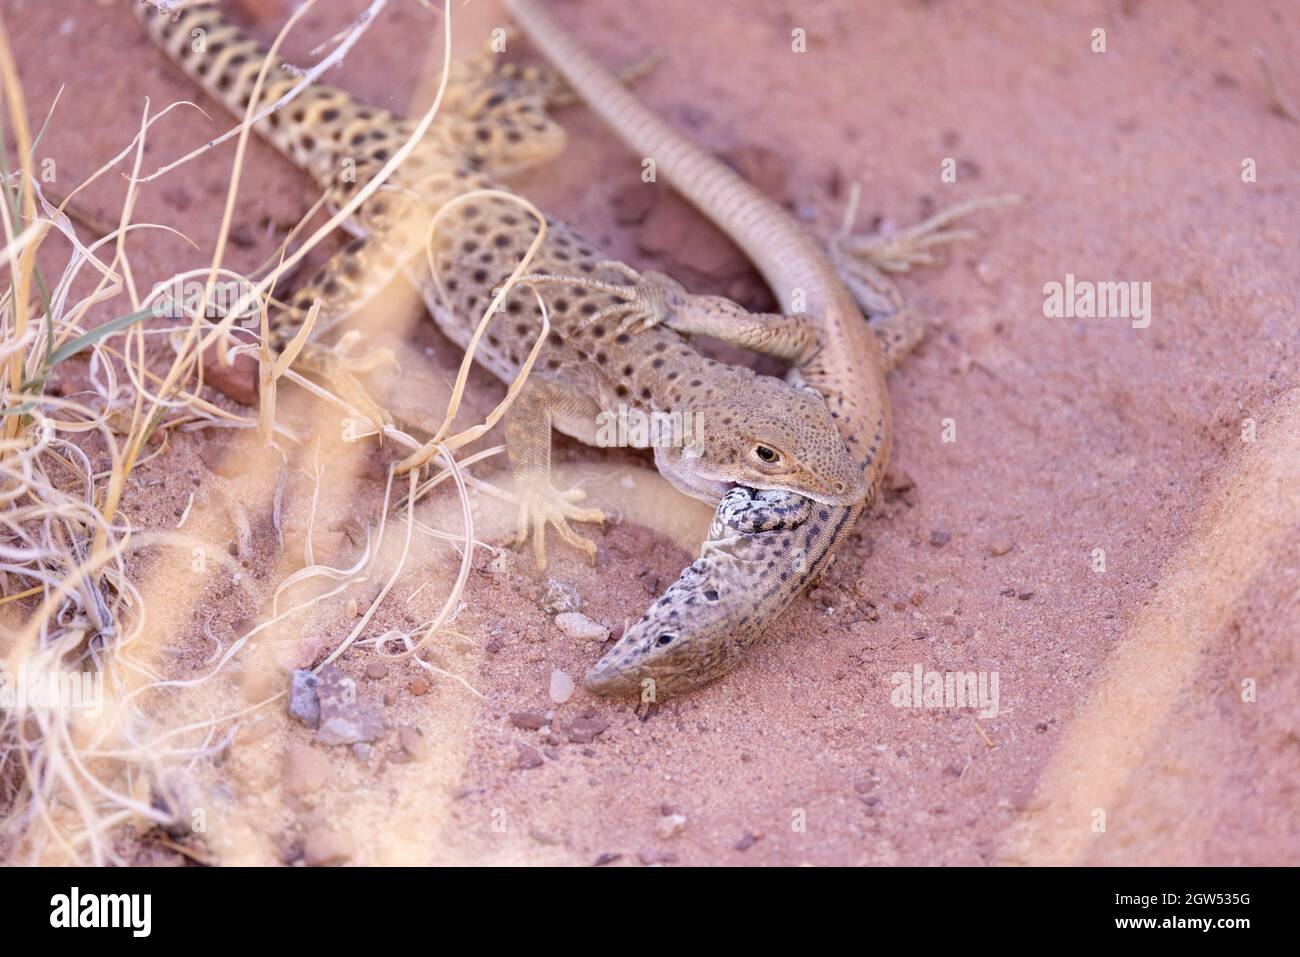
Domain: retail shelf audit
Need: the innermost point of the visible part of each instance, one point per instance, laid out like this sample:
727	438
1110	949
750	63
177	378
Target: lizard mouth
841	499
704	487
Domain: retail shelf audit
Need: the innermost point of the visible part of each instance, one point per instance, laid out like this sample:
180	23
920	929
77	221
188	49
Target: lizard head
765	434
762	549
684	640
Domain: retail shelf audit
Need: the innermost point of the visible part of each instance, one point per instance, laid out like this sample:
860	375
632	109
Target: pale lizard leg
866	261
653	298
340	371
789	337
897	334
528	443
643	301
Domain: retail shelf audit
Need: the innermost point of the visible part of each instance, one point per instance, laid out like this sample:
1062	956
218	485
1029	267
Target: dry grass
73	782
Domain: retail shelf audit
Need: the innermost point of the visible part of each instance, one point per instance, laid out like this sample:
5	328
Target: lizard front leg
652	298
790	337
528	443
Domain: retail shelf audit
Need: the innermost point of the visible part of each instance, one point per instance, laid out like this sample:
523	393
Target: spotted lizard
765	546
608	345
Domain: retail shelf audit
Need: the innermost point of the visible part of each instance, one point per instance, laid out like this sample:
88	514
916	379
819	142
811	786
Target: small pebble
304	705
325	846
939	538
560	597
418	687
561	686
653	856
376	670
576	625
528	758
344	717
1001	546
412	742
528	720
305	770
670	825
585	729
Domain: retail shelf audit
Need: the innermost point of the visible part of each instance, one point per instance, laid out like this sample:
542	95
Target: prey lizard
763	547
608	345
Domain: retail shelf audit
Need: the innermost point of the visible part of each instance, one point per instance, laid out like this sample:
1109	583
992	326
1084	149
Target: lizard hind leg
866	261
496	114
497	111
341	372
898	252
538	406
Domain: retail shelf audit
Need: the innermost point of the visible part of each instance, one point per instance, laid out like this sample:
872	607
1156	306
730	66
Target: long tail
319	129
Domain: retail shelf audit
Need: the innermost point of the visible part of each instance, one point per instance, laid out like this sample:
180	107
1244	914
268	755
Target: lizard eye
766	454
664	639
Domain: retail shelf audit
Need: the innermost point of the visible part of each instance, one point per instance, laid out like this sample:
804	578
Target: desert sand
1105	533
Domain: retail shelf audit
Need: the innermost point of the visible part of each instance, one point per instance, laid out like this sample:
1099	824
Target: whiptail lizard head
762	548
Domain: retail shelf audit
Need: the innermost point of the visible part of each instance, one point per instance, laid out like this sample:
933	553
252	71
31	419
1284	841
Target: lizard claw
541	503
341	372
867	260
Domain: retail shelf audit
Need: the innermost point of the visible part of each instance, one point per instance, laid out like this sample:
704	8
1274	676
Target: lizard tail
321	128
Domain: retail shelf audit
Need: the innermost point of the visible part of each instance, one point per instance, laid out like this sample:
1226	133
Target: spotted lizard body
748	429
763	548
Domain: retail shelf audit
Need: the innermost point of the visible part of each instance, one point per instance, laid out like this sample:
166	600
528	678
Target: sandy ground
1126	729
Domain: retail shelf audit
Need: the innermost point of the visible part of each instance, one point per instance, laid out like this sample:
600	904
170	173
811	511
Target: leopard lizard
607	347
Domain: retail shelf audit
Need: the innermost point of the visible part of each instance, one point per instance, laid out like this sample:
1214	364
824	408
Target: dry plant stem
63	780
21	267
187	359
419	458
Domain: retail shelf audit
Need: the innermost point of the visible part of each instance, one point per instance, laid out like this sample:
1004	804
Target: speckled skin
762	550
650	370
609	345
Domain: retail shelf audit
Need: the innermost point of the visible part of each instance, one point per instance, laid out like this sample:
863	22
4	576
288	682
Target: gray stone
344	717
303	701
